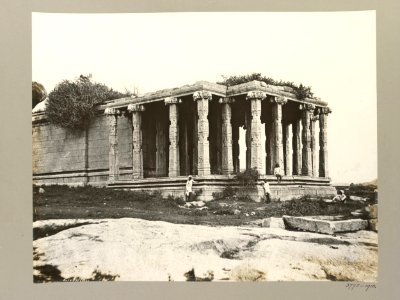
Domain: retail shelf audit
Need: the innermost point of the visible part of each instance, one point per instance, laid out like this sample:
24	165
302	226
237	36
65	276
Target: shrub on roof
72	104
302	92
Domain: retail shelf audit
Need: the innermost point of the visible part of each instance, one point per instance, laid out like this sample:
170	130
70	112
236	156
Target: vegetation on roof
302	92
72	104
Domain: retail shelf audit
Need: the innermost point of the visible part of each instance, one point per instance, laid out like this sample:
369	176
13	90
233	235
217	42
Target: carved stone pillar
323	140
287	145
174	165
137	152
227	161
235	147
113	161
306	139
203	155
297	147
277	127
313	146
255	98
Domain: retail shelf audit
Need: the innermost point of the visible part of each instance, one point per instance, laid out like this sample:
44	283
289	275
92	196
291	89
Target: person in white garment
340	197
189	190
278	172
267	191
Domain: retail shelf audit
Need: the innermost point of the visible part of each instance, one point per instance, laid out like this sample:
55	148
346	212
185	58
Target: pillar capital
226	100
256	95
172	100
324	110
279	100
111	111
307	106
202	95
315	118
135	107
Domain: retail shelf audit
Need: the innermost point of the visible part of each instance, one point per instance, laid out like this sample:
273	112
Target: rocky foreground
131	249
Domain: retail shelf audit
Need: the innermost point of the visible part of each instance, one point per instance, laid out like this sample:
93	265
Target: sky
333	52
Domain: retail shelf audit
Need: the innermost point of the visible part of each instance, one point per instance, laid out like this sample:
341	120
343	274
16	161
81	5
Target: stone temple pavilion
155	141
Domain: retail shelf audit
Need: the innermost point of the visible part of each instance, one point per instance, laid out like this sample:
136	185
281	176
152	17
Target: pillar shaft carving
307	110
297	169
313	146
277	127
288	146
227	160
174	164
137	152
203	156
323	140
113	160
256	156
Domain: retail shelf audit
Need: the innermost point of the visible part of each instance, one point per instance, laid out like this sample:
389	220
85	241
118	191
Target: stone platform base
207	187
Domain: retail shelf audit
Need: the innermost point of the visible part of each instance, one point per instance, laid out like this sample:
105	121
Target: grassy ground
63	202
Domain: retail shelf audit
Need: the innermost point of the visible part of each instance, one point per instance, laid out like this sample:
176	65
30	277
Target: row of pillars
278	150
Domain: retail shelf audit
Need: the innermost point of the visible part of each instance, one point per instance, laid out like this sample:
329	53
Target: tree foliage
300	91
38	93
72	104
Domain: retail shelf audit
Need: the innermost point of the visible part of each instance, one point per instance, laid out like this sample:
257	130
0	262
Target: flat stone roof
214	88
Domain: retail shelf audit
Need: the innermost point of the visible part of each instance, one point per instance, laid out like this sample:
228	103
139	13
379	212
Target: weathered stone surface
324	226
255	98
227	159
297	147
307	109
112	114
355	198
203	158
137	149
174	164
273	223
313	146
323	141
277	103
287	147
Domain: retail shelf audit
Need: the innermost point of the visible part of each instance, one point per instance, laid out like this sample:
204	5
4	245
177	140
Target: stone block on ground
356	198
324	226
273	223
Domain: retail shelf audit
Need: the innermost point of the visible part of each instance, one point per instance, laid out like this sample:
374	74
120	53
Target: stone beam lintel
172	100
135	107
307	106
111	111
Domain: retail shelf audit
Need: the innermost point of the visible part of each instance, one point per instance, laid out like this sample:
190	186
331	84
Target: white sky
334	52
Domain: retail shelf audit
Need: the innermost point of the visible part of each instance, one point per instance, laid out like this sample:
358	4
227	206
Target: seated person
340	197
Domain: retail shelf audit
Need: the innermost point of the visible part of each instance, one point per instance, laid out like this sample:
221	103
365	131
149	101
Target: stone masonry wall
58	154
55	151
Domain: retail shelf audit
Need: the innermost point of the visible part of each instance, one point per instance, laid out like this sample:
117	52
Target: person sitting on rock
340	197
278	172
189	190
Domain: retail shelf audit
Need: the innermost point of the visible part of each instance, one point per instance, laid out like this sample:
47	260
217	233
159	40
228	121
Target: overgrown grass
63	202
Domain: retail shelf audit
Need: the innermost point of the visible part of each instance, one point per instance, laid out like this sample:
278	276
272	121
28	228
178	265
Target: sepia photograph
205	146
